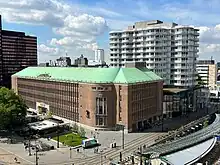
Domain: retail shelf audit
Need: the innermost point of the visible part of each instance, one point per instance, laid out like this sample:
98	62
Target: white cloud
45	49
77	30
77	26
209	42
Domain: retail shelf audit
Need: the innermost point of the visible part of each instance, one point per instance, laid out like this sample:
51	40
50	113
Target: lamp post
101	157
58	136
123	136
29	146
36	156
70	152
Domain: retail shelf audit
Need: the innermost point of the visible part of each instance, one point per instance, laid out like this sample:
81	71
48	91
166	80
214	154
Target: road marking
17	155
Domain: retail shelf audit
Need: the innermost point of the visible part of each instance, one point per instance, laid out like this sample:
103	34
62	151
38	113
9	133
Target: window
87	114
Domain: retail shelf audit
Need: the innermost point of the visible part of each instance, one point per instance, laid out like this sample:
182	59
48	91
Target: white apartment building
168	49
100	56
207	70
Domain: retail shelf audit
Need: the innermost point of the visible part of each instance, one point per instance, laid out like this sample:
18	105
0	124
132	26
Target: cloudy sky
80	26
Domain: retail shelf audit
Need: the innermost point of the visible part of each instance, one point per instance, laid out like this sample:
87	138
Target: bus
89	143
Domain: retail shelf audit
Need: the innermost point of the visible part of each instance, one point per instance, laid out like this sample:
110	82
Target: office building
81	61
96	97
207	71
170	50
63	61
17	51
100	56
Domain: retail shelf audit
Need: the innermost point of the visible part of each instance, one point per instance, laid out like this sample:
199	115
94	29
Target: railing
188	140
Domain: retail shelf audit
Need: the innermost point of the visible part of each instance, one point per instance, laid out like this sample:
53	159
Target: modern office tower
100	56
17	51
170	50
207	71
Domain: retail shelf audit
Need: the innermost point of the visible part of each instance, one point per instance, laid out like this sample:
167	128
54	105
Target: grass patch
70	139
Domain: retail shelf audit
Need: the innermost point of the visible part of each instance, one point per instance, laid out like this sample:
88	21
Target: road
147	140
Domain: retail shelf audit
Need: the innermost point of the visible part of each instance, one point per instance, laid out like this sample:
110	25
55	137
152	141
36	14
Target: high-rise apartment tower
170	50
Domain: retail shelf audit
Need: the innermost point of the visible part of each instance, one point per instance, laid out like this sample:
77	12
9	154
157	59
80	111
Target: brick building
17	51
97	97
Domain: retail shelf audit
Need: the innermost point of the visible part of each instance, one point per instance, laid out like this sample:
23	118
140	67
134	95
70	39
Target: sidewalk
8	158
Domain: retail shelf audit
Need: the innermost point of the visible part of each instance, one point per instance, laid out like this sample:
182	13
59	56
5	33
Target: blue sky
80	26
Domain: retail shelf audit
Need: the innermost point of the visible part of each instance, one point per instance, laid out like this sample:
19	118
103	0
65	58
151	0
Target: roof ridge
119	71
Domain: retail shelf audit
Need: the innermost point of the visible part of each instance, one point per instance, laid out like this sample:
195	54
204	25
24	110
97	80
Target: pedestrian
15	159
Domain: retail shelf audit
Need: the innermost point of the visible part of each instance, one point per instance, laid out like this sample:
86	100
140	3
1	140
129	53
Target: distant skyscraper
63	61
81	61
17	51
100	56
169	49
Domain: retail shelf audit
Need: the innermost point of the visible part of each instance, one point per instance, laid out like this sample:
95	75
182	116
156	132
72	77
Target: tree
49	114
200	81
12	109
82	132
75	128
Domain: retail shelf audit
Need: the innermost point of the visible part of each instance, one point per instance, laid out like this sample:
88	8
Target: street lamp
123	136
36	156
101	157
58	136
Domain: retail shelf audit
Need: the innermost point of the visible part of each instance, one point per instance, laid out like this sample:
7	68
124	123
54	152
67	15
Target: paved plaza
63	154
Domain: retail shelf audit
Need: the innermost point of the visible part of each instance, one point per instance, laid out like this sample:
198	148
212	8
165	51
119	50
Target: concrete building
100	56
96	97
207	71
17	51
81	61
170	50
63	61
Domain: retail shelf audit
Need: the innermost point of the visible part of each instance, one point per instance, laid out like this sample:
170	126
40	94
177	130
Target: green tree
206	123
75	128
200	81
49	114
82	132
12	108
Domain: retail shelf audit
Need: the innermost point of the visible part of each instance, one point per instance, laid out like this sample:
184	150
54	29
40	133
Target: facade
100	56
81	61
178	102
63	61
96	97
168	49
207	71
17	51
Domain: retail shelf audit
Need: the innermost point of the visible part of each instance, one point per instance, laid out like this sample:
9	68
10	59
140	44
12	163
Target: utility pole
29	146
36	157
58	136
70	152
101	157
141	155
123	137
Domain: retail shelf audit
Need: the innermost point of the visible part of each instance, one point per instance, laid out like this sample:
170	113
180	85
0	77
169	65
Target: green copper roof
91	75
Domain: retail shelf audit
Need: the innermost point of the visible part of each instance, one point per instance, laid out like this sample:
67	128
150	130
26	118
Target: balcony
124	35
126	46
114	36
114	52
125	41
114	47
114	42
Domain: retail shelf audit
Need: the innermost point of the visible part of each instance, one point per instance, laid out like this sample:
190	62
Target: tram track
111	154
